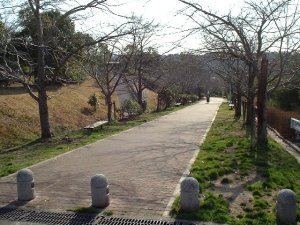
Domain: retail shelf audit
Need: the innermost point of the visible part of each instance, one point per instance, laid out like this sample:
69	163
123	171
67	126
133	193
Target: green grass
226	151
36	151
108	212
212	208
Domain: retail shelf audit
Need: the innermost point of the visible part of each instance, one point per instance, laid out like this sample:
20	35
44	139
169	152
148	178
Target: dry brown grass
19	120
151	100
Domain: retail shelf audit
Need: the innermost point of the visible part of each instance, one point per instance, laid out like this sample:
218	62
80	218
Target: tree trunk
262	135
238	106
244	106
109	108
158	103
44	114
42	94
250	121
238	101
140	90
250	96
252	128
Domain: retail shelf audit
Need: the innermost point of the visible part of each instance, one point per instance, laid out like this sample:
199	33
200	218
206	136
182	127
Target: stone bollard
25	185
189	195
100	191
286	207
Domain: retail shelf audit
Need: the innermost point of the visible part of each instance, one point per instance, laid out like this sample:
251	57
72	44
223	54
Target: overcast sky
164	12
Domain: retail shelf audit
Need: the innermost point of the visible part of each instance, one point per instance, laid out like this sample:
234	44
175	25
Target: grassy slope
239	186
19	121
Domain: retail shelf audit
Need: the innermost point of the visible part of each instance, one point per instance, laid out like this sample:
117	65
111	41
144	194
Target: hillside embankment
68	110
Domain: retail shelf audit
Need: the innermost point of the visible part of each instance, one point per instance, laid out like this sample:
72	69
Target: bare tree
145	59
234	72
17	60
188	70
107	65
261	27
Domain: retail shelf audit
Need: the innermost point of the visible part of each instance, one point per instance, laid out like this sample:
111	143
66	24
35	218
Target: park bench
96	125
231	106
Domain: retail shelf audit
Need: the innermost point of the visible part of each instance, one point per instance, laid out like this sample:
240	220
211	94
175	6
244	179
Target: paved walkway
143	166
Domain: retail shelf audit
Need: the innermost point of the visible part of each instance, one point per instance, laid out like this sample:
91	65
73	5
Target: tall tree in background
59	36
107	64
261	27
145	59
234	72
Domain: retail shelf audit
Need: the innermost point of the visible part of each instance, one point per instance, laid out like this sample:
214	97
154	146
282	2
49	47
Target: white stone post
189	195
286	207
25	185
100	191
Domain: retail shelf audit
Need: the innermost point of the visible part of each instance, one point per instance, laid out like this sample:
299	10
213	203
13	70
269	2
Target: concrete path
143	166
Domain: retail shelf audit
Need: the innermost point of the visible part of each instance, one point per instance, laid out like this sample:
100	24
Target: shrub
193	98
167	96
93	101
185	98
286	99
131	107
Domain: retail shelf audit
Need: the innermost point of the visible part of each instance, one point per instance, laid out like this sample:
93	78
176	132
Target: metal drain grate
124	221
12	214
56	218
59	218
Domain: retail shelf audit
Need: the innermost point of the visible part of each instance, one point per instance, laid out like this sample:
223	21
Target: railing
295	124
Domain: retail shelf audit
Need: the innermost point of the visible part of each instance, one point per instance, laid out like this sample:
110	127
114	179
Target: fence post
286	207
100	191
25	185
189	196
